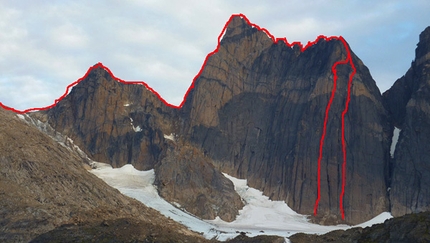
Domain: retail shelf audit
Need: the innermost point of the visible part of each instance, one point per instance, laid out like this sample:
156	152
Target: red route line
275	41
348	98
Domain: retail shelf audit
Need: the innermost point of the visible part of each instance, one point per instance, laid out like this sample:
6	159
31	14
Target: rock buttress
408	101
257	110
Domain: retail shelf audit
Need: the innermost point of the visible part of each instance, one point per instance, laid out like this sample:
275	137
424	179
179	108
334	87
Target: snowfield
260	216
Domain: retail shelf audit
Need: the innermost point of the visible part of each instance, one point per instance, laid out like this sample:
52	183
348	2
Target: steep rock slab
408	101
258	107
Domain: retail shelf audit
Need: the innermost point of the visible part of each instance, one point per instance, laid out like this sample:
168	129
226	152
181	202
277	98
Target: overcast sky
46	45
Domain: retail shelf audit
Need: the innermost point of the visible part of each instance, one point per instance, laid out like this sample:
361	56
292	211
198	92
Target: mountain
408	102
258	107
120	124
44	185
306	125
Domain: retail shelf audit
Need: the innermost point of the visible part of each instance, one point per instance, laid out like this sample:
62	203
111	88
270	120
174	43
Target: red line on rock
276	41
327	110
348	98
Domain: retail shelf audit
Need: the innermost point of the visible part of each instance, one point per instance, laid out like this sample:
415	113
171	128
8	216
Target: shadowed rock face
258	109
408	101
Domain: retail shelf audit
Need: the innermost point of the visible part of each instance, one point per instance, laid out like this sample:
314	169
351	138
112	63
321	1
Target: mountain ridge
118	131
236	24
275	40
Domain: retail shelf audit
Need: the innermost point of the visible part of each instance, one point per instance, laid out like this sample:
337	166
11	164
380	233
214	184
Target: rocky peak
397	97
257	110
97	73
113	122
245	62
422	53
238	26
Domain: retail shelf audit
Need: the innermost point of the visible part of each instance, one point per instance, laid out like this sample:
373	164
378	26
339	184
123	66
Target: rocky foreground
44	185
408	228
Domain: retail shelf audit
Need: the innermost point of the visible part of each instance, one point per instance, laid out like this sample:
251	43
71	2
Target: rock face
44	185
408	101
120	124
258	109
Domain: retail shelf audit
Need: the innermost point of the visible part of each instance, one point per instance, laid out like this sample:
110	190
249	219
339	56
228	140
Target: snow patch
394	141
376	220
20	116
139	185
170	137
137	129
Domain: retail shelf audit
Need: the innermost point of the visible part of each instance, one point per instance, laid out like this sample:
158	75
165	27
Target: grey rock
408	102
258	110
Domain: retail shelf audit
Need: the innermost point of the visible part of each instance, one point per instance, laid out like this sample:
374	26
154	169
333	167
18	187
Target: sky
46	45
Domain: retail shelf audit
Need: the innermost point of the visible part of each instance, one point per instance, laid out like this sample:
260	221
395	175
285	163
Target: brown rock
189	178
44	185
113	122
120	124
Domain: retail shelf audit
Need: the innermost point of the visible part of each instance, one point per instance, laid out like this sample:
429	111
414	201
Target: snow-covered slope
139	185
259	216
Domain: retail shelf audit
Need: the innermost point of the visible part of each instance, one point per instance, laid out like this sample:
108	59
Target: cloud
45	45
68	36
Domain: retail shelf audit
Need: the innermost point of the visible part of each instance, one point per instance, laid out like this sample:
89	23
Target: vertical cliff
258	110
408	101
